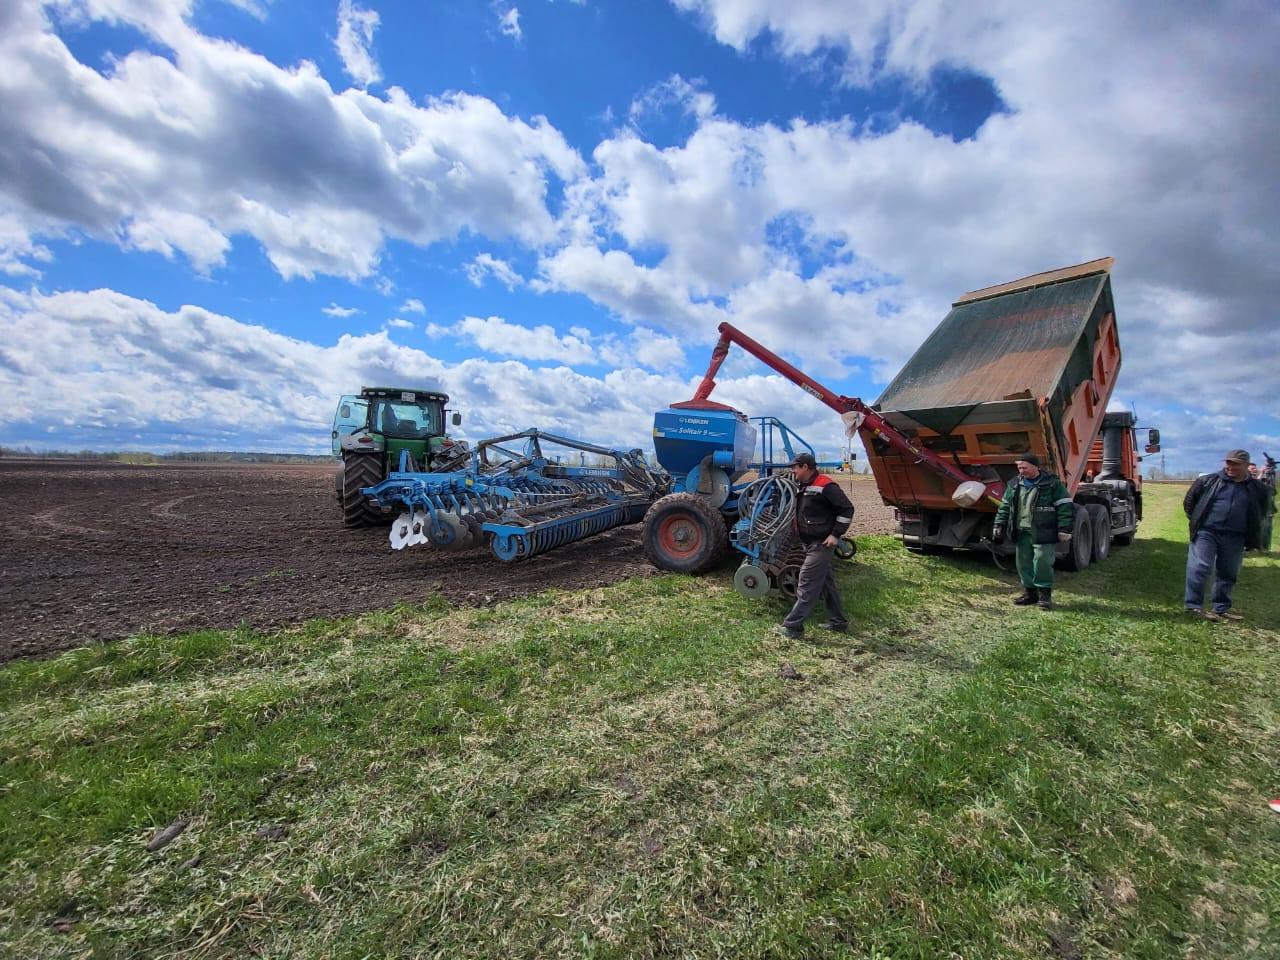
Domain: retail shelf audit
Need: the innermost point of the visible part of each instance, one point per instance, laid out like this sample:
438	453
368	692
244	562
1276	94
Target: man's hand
998	533
831	541
1064	537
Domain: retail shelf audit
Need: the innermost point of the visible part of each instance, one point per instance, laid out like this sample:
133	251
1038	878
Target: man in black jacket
1225	511
823	514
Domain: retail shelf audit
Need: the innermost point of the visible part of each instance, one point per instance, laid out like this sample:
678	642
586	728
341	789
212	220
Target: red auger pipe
871	421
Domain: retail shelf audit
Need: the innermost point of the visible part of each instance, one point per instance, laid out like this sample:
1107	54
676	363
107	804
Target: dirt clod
788	672
163	838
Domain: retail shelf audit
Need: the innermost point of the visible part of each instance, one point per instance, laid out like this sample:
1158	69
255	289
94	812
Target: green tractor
373	431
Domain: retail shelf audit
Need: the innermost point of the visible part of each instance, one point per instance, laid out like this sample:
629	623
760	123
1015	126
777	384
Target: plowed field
98	551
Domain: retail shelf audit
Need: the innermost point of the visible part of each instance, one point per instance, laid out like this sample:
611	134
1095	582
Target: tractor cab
389	420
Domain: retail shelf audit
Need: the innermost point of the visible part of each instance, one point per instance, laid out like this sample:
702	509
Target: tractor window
349	417
406	421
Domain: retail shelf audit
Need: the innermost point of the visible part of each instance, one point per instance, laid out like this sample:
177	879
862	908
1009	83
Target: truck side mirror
456	418
1153	437
1151	448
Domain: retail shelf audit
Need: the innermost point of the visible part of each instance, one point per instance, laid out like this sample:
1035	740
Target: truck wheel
1080	549
684	533
360	470
1100	518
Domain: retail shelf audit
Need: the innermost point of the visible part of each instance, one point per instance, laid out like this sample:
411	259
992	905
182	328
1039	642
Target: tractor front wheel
360	470
684	533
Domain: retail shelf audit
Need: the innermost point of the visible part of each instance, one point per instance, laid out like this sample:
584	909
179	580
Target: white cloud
167	231
412	305
656	351
509	23
498	336
486	265
355	37
334	310
690	97
399	324
179	150
255	9
634	292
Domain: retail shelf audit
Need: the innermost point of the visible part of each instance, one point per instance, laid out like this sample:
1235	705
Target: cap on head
1030	458
1239	456
805	460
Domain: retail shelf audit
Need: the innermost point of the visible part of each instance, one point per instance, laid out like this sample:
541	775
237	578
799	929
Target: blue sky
217	216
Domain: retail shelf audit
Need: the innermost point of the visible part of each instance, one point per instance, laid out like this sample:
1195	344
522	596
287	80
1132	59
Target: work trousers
1035	562
1220	554
1266	532
817	582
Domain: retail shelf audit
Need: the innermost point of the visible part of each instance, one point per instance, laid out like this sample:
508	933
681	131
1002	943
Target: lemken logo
694	420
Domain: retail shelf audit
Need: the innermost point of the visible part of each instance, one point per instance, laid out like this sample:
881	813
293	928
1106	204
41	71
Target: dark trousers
1035	562
817	581
1220	554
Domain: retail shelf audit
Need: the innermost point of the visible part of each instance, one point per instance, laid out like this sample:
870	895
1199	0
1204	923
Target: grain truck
1028	365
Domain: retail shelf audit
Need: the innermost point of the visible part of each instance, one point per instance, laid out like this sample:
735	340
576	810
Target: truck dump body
1026	366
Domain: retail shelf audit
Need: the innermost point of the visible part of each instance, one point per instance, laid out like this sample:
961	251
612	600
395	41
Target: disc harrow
520	501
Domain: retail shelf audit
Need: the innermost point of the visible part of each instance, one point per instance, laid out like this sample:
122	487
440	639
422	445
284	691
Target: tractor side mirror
1151	448
1153	437
456	418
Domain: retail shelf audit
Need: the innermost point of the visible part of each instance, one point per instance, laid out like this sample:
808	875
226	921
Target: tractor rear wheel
360	470
684	533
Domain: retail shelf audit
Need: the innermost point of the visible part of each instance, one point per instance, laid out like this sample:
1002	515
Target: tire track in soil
49	520
269	550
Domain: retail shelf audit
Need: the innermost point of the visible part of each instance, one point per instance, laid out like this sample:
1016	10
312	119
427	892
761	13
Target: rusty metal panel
1013	345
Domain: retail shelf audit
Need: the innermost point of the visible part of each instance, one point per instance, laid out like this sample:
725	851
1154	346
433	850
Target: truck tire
1100	518
683	533
360	470
1080	549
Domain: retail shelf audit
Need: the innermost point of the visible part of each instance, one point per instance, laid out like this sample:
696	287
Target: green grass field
622	772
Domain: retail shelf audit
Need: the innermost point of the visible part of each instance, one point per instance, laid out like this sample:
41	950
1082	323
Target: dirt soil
98	551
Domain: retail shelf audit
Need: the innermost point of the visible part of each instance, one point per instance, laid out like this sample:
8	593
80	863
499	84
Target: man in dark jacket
1038	511
823	514
1225	511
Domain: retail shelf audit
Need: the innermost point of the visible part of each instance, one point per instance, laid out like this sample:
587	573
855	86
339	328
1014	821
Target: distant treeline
132	456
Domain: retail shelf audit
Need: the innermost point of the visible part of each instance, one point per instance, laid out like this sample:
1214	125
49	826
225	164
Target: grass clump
623	772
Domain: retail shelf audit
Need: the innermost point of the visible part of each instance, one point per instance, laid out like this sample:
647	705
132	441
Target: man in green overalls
1039	512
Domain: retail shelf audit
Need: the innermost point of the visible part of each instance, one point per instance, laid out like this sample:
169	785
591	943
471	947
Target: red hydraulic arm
866	418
